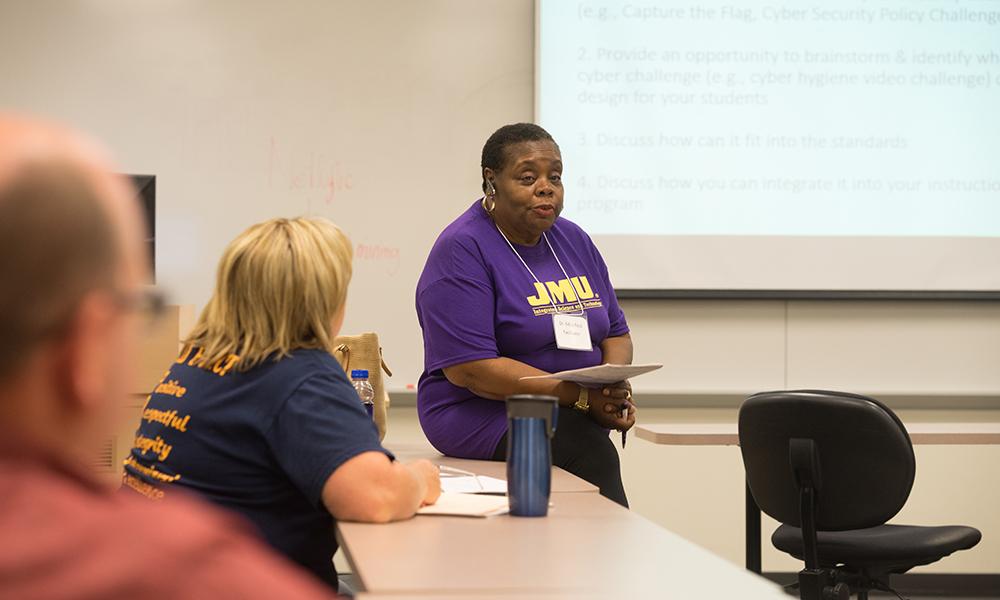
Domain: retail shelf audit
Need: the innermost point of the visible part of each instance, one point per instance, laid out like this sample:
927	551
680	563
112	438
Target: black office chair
839	466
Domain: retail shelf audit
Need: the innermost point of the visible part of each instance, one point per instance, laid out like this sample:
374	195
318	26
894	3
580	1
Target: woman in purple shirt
494	282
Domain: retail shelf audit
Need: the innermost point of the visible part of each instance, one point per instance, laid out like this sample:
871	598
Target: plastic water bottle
365	390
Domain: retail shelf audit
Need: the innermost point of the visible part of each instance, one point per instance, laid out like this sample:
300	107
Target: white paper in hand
600	375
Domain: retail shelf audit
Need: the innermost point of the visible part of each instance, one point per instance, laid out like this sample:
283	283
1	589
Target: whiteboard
370	113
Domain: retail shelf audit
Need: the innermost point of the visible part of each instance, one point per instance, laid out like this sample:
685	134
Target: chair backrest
866	464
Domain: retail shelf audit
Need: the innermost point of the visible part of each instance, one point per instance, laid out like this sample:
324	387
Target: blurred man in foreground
71	305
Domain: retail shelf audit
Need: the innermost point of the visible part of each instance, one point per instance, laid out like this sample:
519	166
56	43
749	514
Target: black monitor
145	186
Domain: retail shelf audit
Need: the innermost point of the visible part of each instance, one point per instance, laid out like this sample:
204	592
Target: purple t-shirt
475	300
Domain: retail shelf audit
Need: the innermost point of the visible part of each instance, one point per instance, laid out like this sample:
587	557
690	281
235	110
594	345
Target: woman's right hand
430	474
606	411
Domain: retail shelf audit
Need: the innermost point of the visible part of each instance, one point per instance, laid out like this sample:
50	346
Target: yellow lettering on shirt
168	418
567	294
197	357
223	366
220	367
541	296
158	446
150	472
150	491
171	388
582	287
185	354
561	291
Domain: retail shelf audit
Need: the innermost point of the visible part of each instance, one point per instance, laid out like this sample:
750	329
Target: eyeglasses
148	302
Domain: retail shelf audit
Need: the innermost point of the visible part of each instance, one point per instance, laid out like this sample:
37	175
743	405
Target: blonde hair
279	286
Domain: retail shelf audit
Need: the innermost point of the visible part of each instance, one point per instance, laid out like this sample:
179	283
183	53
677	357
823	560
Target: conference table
727	434
561	480
587	547
474	596
483	596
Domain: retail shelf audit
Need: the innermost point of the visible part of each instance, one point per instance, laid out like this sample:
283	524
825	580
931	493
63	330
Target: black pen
624	415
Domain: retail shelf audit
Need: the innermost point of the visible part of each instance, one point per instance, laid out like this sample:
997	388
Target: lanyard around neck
532	273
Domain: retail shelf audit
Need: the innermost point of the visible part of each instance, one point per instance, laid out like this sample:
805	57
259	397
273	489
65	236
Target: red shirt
65	536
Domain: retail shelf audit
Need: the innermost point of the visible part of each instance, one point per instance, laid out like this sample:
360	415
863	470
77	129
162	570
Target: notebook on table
455	504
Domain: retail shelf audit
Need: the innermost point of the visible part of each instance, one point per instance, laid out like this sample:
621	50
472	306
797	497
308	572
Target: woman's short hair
279	286
58	236
495	149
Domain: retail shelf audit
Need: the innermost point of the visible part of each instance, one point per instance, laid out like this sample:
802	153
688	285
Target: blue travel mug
531	422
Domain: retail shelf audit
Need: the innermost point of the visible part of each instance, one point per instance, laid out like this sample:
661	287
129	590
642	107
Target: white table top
726	434
587	545
484	596
562	481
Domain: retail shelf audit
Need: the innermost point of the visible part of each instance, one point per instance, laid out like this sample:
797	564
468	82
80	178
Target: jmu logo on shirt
564	291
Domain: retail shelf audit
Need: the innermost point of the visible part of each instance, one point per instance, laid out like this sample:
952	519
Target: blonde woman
257	416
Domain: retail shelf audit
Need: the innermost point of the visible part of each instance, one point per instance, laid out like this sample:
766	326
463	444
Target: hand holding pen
619	397
626	407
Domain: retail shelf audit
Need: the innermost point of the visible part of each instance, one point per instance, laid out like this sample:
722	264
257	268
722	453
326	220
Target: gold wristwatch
583	402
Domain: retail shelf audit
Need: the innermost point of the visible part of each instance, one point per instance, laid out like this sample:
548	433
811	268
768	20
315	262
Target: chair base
839	583
821	584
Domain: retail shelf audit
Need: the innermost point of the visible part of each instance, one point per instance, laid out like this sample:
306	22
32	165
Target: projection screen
835	145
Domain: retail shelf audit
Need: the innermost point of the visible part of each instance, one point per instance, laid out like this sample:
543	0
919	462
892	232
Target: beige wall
944	353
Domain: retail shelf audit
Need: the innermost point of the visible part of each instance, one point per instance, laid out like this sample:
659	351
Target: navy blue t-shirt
261	443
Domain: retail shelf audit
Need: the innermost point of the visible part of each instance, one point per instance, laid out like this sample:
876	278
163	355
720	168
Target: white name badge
572	332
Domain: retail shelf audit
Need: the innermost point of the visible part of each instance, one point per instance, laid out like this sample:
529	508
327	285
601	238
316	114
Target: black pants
583	448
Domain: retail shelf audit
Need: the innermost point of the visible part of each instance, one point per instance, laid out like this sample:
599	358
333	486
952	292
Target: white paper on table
600	375
473	484
451	504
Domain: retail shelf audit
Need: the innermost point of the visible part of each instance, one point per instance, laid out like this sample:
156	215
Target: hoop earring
493	203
